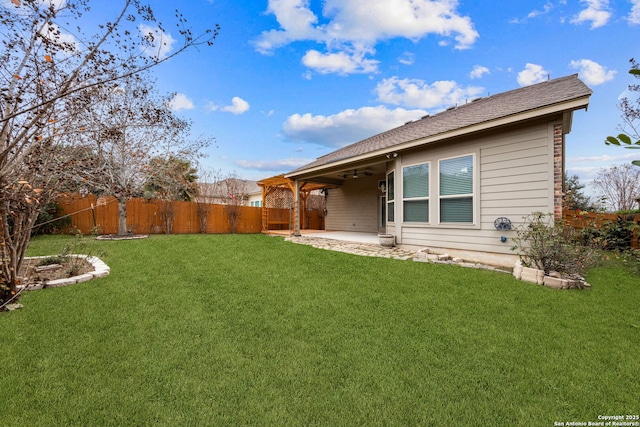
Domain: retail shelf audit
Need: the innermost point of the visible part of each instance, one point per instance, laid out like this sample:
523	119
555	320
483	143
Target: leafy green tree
574	198
172	179
630	127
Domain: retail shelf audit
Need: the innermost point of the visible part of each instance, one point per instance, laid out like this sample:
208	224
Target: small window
456	190
415	193
390	196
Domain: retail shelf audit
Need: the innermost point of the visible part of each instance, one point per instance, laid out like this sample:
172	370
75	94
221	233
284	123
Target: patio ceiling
336	176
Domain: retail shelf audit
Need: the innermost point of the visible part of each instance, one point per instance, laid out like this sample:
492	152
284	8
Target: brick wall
558	170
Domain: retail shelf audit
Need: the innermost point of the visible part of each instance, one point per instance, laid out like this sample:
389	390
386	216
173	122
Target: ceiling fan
355	174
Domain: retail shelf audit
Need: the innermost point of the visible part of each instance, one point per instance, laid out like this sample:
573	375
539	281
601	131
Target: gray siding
513	178
354	206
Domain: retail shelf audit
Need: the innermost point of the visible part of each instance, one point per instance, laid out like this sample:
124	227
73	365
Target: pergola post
296	209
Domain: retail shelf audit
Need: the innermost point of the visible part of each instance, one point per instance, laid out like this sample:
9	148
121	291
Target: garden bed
42	272
533	275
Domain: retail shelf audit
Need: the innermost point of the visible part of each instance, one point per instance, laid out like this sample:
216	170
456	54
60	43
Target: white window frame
391	207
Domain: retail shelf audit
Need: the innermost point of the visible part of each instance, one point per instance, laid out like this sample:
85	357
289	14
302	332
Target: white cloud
634	14
158	43
596	12
16	6
591	72
478	71
181	102
341	62
57	4
273	165
418	93
587	167
53	33
532	73
354	27
407	58
296	22
238	106
548	7
599	159
375	20
545	9
346	127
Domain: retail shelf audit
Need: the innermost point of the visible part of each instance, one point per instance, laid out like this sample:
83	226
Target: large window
456	190
390	196
415	193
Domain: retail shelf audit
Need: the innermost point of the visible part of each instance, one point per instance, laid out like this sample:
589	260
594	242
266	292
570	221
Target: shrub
617	235
629	212
549	245
47	222
6	294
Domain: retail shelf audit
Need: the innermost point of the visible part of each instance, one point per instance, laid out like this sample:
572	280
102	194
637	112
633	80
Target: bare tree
236	189
48	75
172	180
619	186
132	138
206	195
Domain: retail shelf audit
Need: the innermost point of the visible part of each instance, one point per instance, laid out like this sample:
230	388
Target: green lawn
252	330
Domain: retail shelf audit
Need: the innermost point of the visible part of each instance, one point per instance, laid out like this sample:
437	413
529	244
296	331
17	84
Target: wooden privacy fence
89	214
283	219
581	219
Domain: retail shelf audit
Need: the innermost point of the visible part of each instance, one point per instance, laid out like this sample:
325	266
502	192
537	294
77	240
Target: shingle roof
494	107
222	188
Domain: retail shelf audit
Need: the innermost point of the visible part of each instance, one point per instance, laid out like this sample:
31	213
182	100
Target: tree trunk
122	217
15	239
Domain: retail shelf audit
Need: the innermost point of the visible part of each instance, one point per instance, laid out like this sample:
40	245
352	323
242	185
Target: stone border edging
395	252
100	270
533	275
118	237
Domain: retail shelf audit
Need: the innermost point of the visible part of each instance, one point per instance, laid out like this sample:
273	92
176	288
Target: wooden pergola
280	193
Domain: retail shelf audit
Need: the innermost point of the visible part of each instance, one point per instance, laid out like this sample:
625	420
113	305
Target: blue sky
288	81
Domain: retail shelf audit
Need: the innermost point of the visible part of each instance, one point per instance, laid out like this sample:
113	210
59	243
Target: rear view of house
456	180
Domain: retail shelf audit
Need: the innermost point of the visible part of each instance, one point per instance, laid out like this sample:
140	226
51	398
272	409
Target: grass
251	330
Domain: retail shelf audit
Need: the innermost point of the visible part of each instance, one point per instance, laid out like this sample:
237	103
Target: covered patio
334	187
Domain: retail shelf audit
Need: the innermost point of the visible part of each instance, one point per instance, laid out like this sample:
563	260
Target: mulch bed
32	271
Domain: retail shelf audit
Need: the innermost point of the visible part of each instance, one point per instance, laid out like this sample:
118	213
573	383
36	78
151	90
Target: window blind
456	179
415	181
456	176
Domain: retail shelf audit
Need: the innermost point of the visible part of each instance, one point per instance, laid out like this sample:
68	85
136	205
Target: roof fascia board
570	106
567	122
